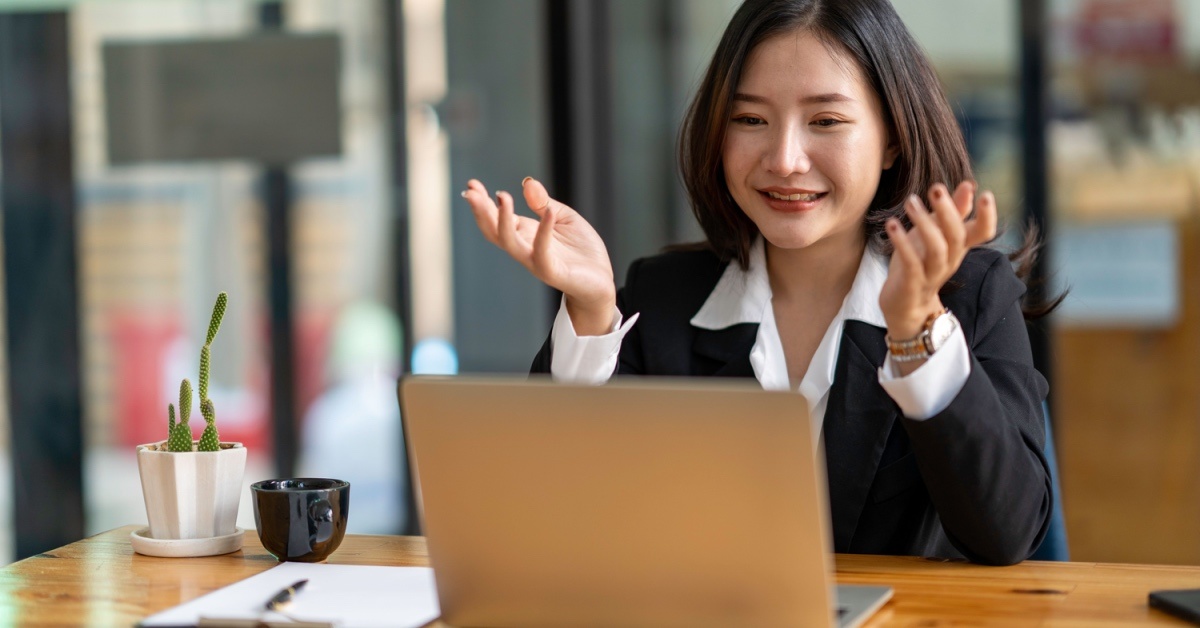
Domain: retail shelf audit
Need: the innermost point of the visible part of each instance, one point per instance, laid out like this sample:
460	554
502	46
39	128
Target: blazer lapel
724	352
858	419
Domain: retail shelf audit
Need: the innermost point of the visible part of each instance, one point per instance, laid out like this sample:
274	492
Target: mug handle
320	513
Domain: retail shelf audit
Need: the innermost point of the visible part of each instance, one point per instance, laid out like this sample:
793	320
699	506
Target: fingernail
914	200
526	180
463	194
937	192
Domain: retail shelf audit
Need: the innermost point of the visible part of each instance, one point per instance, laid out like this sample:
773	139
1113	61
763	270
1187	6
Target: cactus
204	361
179	435
215	322
185	400
179	438
209	440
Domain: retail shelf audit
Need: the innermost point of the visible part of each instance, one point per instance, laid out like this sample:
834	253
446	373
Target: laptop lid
645	502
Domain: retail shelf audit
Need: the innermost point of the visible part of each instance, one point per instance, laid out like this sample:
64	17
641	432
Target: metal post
41	285
401	260
1035	116
278	199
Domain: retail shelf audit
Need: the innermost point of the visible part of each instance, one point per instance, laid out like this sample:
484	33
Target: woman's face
805	144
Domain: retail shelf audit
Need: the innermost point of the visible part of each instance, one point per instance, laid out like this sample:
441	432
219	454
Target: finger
536	195
476	186
914	238
946	211
483	209
903	249
506	227
543	240
931	235
964	198
982	228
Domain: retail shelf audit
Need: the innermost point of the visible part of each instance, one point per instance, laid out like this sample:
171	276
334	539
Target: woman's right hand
560	248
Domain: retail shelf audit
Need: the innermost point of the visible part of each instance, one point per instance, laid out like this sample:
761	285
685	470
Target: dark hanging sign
270	98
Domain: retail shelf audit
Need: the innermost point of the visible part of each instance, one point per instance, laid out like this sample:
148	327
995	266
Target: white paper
343	595
1122	274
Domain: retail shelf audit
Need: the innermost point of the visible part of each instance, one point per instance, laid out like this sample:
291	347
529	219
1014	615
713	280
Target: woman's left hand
927	255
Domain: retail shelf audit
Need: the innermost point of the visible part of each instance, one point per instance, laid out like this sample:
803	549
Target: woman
815	130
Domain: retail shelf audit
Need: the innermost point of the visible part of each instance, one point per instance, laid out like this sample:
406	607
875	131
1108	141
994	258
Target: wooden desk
100	582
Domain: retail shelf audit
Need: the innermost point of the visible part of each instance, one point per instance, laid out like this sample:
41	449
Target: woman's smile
791	201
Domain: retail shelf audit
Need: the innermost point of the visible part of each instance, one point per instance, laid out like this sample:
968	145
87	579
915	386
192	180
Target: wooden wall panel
1127	414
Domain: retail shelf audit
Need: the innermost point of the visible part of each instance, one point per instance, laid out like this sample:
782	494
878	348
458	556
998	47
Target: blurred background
305	156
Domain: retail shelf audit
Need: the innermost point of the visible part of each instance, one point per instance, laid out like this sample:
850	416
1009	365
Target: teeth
794	197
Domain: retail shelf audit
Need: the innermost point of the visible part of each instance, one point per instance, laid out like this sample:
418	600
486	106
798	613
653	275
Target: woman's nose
786	154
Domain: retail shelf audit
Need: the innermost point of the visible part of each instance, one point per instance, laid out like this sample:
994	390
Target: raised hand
560	248
927	255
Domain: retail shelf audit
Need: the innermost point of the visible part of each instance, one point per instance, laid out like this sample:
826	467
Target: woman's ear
890	154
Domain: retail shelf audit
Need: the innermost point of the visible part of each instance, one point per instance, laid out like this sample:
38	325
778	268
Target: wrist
591	317
911	323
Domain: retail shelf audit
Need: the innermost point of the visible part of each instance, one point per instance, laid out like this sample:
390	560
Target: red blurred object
311	351
139	350
1138	31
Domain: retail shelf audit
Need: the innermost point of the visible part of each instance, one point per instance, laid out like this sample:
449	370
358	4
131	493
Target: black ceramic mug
301	519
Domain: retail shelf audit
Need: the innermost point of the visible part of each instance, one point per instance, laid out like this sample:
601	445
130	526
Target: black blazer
969	482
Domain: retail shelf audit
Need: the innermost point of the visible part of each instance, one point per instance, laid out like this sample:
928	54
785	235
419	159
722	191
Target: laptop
644	502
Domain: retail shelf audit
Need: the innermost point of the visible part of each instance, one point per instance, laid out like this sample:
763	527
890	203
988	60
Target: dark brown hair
915	110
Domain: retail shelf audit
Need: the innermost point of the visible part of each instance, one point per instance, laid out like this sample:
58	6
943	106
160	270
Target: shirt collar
741	296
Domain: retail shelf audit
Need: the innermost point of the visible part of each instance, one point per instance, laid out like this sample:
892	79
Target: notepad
336	595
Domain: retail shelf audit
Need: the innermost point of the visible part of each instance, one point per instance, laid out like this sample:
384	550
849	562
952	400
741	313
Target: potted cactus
192	487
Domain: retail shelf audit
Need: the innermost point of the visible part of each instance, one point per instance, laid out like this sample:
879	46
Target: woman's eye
827	122
749	120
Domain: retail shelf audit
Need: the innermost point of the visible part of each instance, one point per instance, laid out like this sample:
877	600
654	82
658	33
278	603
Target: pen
285	596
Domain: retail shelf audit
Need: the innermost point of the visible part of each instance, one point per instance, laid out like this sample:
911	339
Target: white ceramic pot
191	495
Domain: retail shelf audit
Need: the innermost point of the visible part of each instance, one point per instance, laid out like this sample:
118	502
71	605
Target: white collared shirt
744	296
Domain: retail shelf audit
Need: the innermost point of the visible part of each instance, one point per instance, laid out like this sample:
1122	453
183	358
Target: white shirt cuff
585	359
929	390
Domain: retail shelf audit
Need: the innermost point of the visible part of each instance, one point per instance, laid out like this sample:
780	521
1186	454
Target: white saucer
143	543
